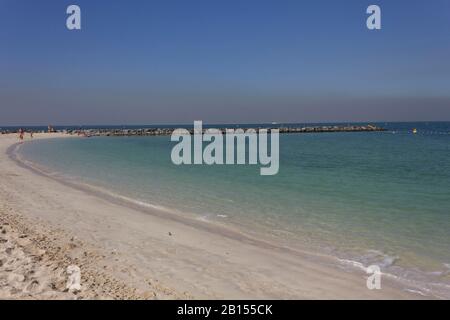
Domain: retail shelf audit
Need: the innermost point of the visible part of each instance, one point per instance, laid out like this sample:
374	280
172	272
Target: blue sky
137	62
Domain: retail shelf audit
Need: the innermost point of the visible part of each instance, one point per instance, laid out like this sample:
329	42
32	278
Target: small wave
416	292
353	263
412	280
388	261
379	258
203	218
372	257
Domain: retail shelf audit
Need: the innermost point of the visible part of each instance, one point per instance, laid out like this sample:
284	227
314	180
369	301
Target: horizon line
220	123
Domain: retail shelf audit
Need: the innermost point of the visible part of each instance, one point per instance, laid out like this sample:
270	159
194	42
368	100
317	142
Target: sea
363	198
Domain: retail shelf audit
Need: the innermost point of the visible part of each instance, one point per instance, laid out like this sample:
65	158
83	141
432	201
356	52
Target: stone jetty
168	131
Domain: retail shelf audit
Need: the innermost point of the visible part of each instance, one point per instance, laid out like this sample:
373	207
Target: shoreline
227	231
193	258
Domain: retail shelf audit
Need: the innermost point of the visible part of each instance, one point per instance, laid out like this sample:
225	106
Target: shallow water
366	198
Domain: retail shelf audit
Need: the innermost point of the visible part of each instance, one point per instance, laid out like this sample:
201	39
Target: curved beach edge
145	252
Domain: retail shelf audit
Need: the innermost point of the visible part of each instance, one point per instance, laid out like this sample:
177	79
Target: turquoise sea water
363	197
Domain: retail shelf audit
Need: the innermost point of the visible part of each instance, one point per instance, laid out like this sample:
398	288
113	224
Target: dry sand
126	252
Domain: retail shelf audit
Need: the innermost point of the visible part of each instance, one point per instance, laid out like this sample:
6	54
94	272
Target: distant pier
168	131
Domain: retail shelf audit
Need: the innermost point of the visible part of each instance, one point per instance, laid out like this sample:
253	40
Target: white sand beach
125	252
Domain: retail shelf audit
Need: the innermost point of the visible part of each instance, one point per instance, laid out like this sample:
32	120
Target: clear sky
222	61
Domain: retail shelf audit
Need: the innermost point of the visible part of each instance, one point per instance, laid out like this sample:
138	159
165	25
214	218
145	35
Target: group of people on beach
22	134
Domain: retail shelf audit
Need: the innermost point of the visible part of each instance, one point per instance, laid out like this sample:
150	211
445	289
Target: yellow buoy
414	130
